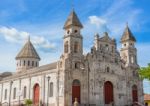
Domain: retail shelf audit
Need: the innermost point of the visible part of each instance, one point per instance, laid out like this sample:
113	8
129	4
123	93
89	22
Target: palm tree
145	72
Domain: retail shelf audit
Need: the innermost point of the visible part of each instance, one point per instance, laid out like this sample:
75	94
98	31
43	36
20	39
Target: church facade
102	77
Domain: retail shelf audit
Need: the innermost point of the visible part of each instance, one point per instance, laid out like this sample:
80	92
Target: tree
145	72
28	102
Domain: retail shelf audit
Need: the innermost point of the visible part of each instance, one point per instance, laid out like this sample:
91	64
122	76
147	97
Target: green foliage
145	72
28	102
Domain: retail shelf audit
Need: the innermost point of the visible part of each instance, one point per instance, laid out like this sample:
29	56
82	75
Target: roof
73	20
28	51
147	97
34	71
127	35
5	74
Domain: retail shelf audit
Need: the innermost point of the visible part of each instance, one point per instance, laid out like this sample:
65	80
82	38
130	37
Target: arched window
76	47
132	59
75	31
28	63
51	90
77	65
24	63
14	93
24	92
66	47
32	63
106	47
68	32
108	69
5	96
124	45
20	63
36	64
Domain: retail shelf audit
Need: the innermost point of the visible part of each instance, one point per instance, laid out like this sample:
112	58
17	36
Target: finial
72	5
127	23
28	38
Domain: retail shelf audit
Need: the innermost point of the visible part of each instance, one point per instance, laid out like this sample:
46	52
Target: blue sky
43	20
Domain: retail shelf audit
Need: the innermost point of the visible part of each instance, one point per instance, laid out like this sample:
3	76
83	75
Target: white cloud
115	17
98	21
15	36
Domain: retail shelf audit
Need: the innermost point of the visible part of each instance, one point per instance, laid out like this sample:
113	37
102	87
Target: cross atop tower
72	4
28	38
127	23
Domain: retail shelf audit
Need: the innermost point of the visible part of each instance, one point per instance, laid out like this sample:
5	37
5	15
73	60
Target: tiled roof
38	70
127	35
73	20
28	51
147	97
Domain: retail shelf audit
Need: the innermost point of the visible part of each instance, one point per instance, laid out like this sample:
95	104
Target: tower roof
73	20
127	35
28	51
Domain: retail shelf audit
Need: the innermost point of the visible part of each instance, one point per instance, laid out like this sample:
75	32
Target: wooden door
36	94
76	91
108	92
134	94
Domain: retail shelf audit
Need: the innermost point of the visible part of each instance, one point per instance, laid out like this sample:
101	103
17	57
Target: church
102	77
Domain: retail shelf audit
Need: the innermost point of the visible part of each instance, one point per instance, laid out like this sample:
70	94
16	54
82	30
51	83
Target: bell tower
73	38
27	58
72	60
128	50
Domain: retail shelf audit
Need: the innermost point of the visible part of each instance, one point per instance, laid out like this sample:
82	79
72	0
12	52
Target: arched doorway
76	90
134	93
36	94
108	92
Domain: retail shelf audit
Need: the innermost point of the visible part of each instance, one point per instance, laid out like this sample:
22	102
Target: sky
43	20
